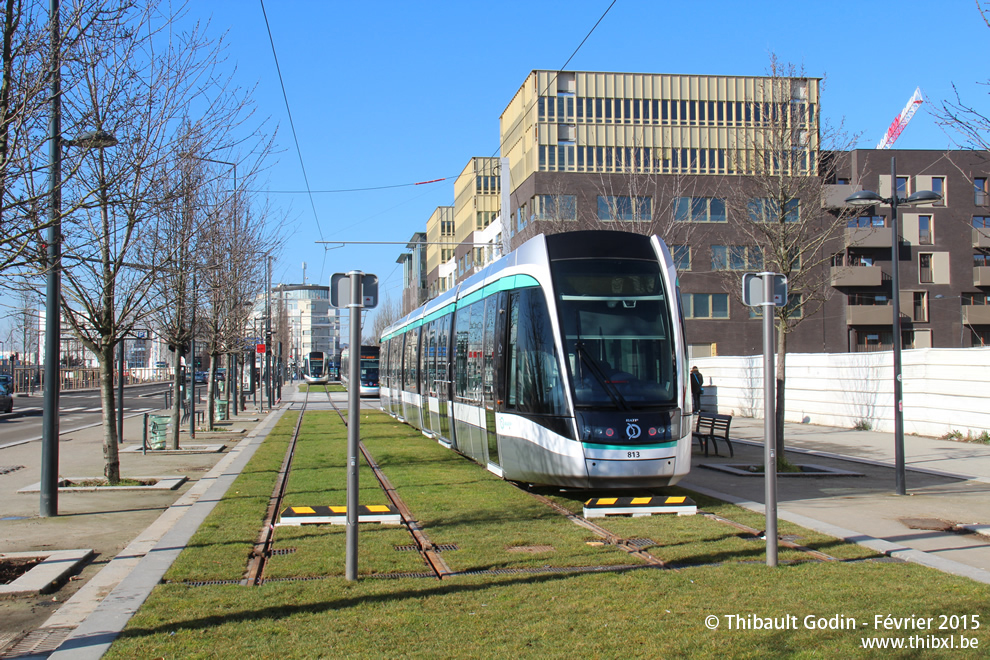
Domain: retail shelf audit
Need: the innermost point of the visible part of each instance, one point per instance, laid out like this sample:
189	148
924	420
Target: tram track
426	548
262	550
430	552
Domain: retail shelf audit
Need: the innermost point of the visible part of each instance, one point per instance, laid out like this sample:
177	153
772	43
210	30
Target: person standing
697	380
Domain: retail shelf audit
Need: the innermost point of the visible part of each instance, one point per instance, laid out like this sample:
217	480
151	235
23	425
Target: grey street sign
340	290
752	289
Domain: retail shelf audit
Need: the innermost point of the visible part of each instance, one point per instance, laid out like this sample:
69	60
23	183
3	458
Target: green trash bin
158	431
221	408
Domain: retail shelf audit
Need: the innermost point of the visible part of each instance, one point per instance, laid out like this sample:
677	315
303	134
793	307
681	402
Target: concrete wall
944	389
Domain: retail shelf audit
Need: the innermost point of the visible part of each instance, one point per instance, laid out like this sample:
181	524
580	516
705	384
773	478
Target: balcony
981	238
870	237
869	315
976	314
981	276
856	276
836	194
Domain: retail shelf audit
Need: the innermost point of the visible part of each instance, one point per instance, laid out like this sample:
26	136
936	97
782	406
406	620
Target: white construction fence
945	389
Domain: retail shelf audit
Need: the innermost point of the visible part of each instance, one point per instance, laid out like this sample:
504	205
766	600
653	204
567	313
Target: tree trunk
780	392
176	399
111	457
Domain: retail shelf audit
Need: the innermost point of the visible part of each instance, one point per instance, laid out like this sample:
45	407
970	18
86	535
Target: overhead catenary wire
292	125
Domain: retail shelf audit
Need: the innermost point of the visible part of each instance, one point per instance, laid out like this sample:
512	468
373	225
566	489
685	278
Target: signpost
356	291
768	290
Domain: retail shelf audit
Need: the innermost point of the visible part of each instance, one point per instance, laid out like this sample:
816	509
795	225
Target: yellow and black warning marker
337	515
599	507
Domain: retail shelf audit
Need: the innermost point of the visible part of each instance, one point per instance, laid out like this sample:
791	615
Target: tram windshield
616	320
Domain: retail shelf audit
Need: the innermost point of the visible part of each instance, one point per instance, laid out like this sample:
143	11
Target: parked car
6	400
7	381
201	377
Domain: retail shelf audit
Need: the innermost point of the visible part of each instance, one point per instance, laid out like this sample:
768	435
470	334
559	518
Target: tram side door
443	375
493	347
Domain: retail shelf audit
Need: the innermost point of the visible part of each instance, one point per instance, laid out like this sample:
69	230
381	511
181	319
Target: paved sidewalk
938	523
121	527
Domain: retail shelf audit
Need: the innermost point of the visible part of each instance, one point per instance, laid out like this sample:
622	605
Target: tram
369	369
563	363
316	368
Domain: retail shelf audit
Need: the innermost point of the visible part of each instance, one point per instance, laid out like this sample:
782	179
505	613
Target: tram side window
443	359
462	322
409	383
534	375
428	356
395	360
491	313
475	335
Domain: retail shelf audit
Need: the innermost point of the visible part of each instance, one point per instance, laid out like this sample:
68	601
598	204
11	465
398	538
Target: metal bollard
144	437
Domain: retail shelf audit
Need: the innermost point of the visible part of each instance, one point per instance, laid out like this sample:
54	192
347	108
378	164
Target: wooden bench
710	427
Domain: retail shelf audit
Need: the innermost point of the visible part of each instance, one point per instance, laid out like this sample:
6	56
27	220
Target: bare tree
779	208
386	314
634	198
971	123
136	78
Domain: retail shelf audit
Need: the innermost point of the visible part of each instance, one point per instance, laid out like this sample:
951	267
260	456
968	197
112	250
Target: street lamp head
98	139
864	198
922	197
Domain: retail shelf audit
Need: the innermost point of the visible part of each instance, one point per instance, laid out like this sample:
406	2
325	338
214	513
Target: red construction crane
897	127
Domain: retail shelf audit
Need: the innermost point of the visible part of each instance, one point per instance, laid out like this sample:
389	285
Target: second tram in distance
368	369
563	363
316	368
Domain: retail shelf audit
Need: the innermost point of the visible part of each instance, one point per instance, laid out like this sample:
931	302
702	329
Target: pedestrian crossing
83	409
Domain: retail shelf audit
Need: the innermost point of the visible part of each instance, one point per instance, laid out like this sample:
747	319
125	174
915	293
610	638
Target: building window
920	309
624	208
925	275
925	229
980	188
762	209
867	221
736	257
902	186
938	186
981	222
981	260
705	305
555	207
682	256
979	298
867	299
699	209
874	341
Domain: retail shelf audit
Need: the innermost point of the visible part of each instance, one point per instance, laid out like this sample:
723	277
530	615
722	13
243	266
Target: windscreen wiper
596	370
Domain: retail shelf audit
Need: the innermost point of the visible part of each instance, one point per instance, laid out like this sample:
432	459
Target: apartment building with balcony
667	154
943	249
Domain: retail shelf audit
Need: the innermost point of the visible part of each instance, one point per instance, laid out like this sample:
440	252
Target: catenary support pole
53	312
769	420
353	423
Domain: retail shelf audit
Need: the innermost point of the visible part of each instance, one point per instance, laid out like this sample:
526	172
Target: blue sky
390	93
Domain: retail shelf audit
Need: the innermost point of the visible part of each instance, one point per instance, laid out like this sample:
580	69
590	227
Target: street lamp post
53	263
870	198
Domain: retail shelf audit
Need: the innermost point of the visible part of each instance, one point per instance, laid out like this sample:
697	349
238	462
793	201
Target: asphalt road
77	409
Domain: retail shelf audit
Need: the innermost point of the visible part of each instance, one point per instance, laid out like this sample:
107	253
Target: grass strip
220	548
634	614
641	613
319	478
